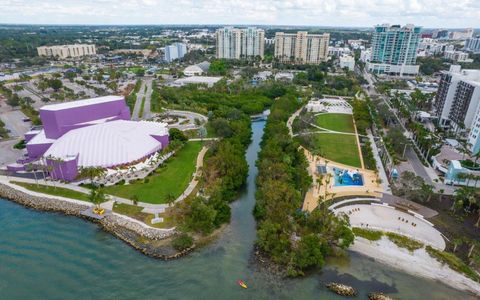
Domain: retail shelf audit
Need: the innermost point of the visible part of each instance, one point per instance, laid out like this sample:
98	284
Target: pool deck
369	189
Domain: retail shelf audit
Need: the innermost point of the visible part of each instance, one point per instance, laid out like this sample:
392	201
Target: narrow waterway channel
52	256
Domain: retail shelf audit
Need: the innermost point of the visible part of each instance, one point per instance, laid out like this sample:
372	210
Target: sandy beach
418	263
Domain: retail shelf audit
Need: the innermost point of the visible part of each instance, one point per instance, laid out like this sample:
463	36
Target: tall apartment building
239	43
394	50
462	35
66	51
457	103
175	51
301	47
473	44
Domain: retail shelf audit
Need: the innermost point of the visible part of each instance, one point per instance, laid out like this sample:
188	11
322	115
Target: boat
242	283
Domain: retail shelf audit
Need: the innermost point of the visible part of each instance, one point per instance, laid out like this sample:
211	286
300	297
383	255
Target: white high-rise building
175	51
301	47
457	56
462	35
473	44
67	51
457	103
236	43
394	50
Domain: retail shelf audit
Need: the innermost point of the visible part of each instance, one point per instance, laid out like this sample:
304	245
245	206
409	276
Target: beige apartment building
301	47
67	51
236	43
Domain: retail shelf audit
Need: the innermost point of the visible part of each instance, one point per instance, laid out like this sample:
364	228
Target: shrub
182	242
146	180
453	262
404	242
371	235
121	182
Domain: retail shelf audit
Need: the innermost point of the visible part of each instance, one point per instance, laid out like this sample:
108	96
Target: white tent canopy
109	144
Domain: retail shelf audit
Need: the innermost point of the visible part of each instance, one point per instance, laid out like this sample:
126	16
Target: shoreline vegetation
296	241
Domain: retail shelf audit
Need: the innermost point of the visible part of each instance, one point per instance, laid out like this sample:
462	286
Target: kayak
242	284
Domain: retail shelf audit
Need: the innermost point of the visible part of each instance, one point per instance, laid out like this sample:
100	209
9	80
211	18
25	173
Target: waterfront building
394	50
457	103
347	61
93	132
473	45
175	51
301	47
240	43
67	51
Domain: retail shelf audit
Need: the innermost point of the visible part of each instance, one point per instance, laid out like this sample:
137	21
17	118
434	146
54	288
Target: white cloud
427	13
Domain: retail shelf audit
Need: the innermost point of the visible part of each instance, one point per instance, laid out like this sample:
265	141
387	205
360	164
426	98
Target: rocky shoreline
149	241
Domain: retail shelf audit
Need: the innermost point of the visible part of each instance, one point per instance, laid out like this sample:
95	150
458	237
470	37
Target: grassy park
340	148
54	191
170	179
336	122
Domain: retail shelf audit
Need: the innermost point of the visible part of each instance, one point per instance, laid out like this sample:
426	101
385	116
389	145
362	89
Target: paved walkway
387	218
149	206
378	162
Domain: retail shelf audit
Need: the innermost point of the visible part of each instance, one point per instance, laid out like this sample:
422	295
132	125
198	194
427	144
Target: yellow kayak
242	284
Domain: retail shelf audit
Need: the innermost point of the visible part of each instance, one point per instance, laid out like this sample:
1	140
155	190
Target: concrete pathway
379	164
147	82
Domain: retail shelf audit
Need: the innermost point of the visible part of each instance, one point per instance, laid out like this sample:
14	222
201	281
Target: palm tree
327	182
32	168
59	161
319	182
170	199
440	194
457	242
91	172
97	196
427	190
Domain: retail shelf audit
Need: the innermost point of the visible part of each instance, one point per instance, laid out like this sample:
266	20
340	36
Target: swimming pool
347	178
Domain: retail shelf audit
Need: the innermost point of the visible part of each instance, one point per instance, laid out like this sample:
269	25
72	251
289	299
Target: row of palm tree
468	177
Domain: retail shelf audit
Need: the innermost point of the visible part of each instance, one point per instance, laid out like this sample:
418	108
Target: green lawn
340	148
337	122
50	190
136	213
171	178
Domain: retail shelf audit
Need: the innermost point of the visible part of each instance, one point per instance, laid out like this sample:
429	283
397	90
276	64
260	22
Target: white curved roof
109	144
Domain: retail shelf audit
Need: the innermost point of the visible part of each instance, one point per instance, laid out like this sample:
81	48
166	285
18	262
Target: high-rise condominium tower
301	47
235	43
175	51
394	49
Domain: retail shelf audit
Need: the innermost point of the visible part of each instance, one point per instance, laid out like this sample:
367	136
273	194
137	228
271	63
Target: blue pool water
343	178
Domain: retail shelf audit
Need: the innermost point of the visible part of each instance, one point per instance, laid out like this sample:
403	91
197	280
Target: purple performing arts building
94	132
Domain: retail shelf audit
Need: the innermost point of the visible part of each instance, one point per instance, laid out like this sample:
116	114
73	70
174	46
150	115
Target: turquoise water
52	256
342	178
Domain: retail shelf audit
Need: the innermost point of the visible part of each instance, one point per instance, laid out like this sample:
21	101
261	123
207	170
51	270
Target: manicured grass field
337	122
340	148
171	178
50	190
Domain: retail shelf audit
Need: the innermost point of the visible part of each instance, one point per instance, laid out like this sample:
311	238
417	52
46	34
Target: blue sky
426	13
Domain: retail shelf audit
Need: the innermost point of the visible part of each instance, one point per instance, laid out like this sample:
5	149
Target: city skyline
346	13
